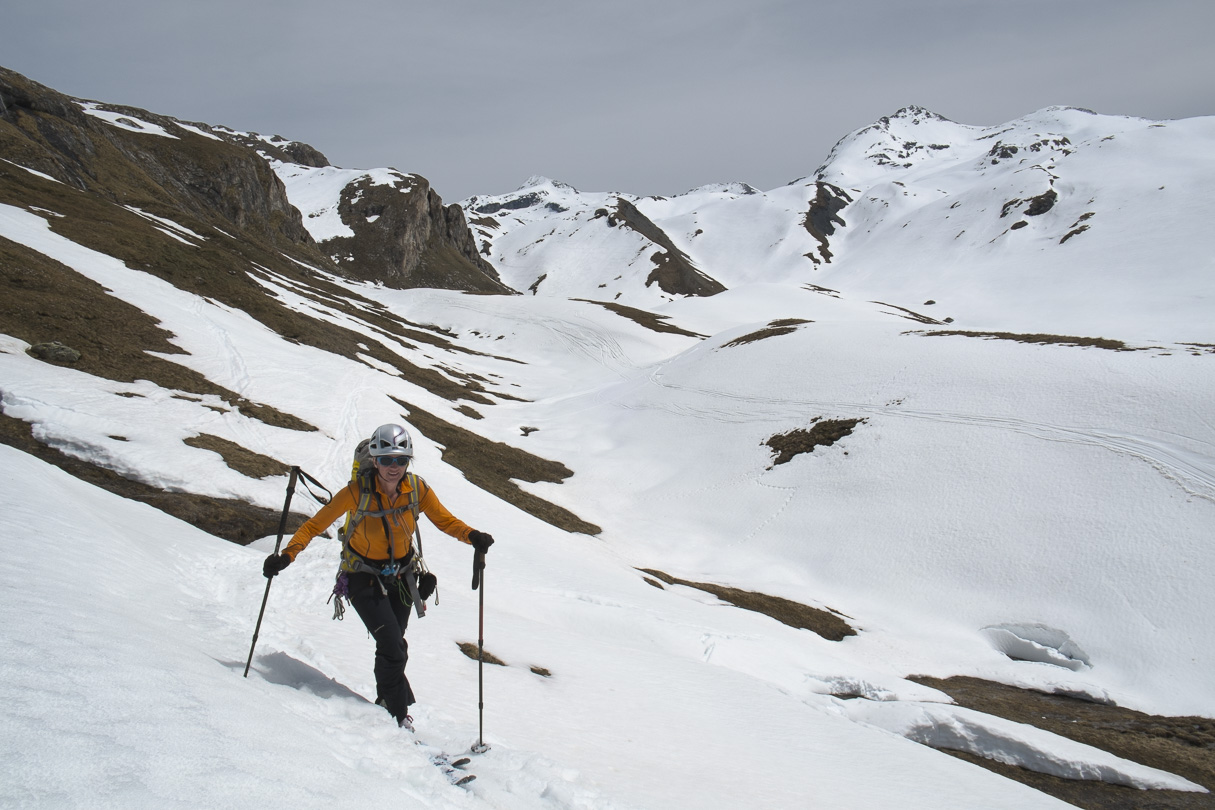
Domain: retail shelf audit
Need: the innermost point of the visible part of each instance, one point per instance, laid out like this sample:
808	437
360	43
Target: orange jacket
368	538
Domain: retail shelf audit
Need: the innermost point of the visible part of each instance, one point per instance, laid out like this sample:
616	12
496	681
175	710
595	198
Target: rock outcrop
226	178
674	272
405	237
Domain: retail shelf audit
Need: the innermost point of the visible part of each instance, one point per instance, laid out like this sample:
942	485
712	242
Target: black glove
275	563
480	540
426	585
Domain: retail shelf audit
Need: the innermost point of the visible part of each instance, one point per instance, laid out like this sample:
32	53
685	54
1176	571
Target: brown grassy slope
233	520
492	466
826	623
1181	745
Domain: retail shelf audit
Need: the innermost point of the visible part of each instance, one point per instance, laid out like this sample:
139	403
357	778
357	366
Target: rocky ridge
136	157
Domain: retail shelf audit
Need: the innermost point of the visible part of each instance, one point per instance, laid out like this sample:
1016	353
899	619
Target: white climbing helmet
390	440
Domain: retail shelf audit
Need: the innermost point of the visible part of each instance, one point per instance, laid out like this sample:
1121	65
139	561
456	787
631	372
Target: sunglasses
392	461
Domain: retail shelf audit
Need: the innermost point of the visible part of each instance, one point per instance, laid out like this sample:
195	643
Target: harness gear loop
341	590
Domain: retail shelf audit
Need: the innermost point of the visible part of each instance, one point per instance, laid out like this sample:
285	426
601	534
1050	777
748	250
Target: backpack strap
415	498
352	561
353	519
410	568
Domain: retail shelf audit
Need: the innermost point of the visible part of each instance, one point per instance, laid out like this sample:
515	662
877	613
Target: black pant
386	617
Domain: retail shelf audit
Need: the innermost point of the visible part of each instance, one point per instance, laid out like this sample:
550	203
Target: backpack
411	576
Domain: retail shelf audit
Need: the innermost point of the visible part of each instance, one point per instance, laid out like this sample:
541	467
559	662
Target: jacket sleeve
342	502
444	520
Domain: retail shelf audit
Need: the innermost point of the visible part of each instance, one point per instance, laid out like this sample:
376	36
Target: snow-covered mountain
768	536
1061	220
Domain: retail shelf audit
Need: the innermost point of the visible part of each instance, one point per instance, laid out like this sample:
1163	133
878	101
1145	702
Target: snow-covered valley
1004	497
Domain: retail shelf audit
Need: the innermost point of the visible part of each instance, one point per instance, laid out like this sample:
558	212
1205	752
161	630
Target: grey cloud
647	97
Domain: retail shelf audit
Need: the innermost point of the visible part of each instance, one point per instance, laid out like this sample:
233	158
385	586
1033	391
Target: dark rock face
1042	203
405	237
823	216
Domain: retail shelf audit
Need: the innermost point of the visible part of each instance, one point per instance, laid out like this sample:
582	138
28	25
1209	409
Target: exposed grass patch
674	272
828	624
245	462
824	433
1181	745
219	268
542	672
233	520
491	466
1073	232
781	326
1061	340
908	314
655	323
44	301
470	649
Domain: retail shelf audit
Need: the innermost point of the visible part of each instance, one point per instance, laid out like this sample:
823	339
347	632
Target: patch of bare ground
655	323
231	271
909	314
492	466
781	326
824	433
470	649
1181	745
826	623
245	462
233	520
1062	340
45	301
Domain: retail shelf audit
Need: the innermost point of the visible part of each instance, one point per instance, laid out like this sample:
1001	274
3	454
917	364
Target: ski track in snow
239	379
1193	472
364	740
580	339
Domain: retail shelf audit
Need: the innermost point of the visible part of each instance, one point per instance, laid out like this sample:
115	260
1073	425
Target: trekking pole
478	583
282	528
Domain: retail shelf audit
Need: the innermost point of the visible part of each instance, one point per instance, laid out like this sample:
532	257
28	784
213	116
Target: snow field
995	490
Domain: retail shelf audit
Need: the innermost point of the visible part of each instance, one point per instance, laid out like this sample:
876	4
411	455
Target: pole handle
478	567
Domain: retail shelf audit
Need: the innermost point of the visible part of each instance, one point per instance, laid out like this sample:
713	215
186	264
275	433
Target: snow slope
1035	514
933	211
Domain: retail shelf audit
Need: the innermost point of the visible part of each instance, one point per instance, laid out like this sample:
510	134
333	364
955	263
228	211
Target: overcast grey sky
640	96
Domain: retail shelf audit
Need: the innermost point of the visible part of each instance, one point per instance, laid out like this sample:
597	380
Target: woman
378	555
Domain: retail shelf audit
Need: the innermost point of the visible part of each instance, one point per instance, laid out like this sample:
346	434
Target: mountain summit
1057	221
